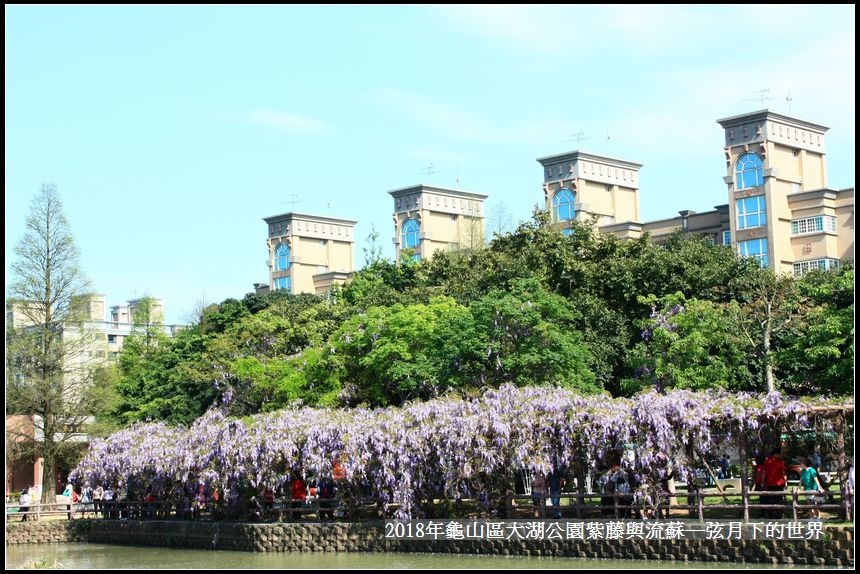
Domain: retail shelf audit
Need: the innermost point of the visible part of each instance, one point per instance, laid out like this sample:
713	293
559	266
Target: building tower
579	185
427	218
308	253
781	211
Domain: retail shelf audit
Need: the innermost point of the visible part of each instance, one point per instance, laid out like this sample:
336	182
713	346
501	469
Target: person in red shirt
268	496
774	479
337	470
149	507
298	492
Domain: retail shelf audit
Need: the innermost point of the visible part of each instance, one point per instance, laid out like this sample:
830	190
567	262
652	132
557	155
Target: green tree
148	321
389	355
264	356
372	251
387	283
815	354
531	338
49	375
140	362
690	344
768	305
174	381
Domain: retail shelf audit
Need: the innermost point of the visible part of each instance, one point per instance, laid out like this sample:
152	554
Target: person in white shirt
24	502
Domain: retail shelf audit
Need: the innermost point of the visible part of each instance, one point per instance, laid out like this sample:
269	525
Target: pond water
102	556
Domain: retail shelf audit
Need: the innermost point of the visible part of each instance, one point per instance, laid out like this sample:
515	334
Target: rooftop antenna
788	99
578	137
763	96
292	200
429	170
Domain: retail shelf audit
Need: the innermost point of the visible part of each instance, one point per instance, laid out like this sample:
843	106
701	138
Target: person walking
774	480
810	484
24	502
724	466
555	486
539	493
98	500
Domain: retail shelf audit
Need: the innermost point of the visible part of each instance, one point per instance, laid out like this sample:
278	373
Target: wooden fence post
580	488
794	504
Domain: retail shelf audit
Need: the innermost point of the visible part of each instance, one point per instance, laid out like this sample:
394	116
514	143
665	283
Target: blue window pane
754	248
411	232
751	212
563	208
283	283
282	257
567	231
749	171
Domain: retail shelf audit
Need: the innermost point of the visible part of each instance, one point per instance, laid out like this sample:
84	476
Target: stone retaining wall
836	549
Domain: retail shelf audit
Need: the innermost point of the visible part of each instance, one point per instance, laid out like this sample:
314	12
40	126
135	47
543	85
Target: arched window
562	205
749	172
282	257
411	231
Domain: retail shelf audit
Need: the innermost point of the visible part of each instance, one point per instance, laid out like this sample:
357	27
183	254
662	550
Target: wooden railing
569	505
39	510
751	505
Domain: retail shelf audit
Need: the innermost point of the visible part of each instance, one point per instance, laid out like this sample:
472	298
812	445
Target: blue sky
172	131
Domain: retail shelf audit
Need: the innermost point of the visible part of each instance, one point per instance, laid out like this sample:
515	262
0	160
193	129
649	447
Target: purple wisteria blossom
441	448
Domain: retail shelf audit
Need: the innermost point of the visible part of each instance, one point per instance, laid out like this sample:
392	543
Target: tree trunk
49	478
768	368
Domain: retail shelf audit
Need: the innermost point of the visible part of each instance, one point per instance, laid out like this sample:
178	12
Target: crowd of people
771	475
625	492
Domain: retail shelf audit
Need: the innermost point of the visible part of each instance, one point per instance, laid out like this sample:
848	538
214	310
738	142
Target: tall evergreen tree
49	372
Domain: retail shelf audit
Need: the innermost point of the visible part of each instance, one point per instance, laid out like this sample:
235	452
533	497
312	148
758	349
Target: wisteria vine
441	448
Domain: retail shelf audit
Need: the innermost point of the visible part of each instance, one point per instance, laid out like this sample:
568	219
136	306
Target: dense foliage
588	311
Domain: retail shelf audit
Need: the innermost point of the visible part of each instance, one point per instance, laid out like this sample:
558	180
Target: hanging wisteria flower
441	448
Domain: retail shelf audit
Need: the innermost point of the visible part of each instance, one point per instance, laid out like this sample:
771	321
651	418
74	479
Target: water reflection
102	556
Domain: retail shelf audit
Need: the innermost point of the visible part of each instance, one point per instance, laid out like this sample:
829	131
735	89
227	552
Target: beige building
89	343
96	337
579	185
308	253
715	225
127	313
781	211
779	208
429	218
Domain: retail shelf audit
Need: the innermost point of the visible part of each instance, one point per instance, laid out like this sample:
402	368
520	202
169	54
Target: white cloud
434	115
560	29
818	73
589	30
289	123
524	26
462	125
